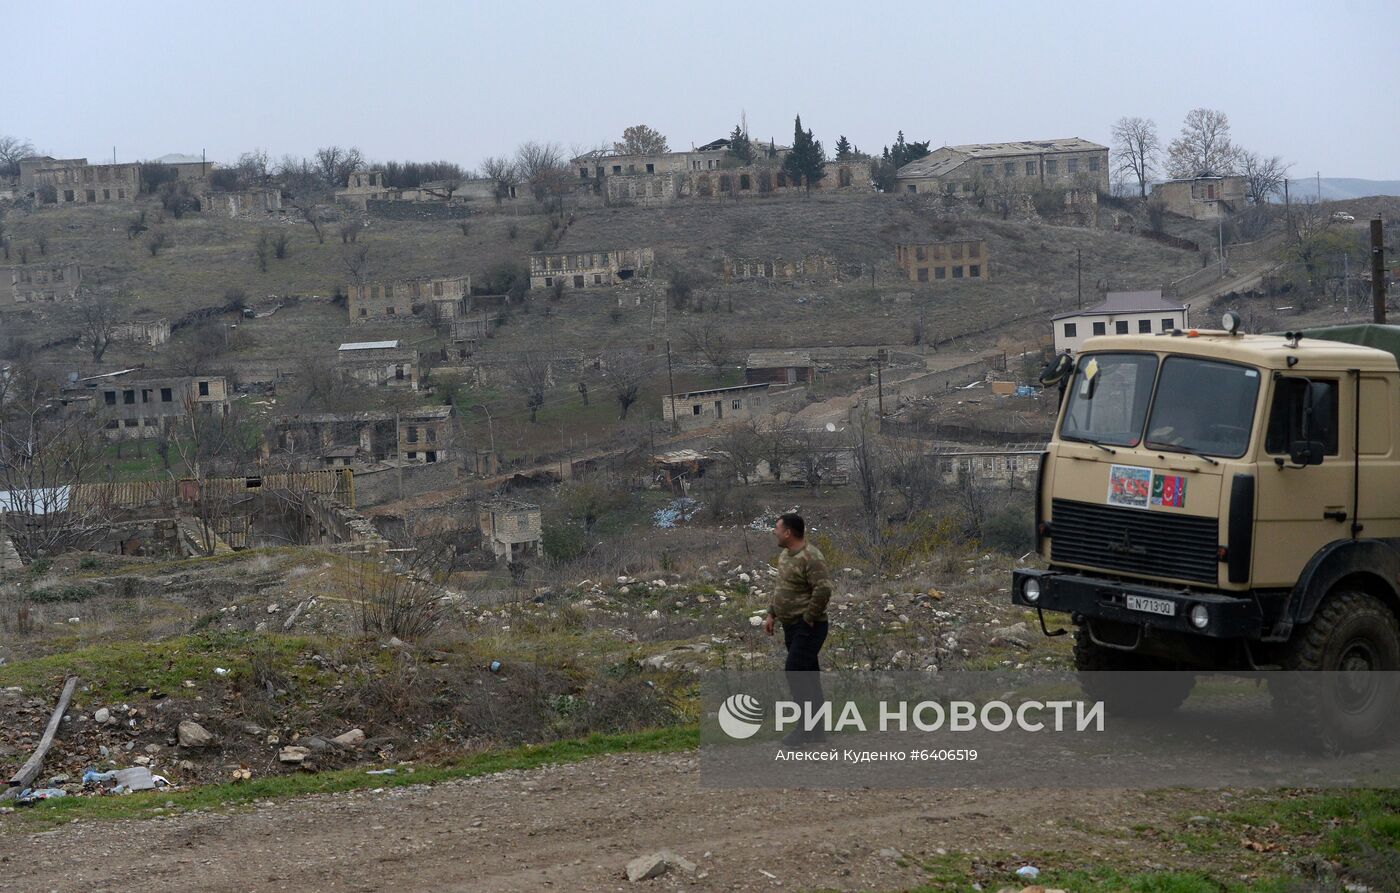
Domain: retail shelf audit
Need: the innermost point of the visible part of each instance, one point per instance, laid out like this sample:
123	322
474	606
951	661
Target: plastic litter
495	666
382	772
137	778
1029	872
30	796
92	776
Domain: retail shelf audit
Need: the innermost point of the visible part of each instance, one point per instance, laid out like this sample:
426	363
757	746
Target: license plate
1151	605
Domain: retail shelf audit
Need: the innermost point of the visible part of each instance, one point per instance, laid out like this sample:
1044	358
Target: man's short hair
794	524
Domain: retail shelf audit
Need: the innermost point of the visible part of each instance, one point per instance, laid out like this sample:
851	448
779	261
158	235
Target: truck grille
1157	544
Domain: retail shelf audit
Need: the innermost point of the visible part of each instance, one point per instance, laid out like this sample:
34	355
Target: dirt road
575	827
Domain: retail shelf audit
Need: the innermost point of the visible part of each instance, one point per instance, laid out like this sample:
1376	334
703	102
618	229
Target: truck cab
1218	501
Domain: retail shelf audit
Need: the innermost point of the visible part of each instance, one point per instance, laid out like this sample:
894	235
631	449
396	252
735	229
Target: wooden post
1377	270
30	770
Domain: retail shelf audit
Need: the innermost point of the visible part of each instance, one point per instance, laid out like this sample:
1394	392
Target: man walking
799	604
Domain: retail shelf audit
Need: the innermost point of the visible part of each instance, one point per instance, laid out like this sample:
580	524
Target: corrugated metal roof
936	165
369	345
1126	302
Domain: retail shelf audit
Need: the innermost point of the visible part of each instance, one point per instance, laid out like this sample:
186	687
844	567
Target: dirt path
575	827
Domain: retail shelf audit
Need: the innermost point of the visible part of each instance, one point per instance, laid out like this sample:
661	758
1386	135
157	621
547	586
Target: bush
1009	530
562	543
58	594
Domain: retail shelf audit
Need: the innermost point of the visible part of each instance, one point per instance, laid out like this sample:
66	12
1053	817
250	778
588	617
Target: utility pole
1079	275
1319	187
1346	282
671	384
1287	208
880	384
1220	225
1377	270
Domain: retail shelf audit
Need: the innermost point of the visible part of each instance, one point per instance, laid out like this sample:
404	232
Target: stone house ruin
1014	467
589	269
1022	166
510	528
36	284
74	181
1202	198
939	261
811	267
131	407
378	364
701	409
404	298
155	333
247	204
334	439
733	181
1121	313
779	367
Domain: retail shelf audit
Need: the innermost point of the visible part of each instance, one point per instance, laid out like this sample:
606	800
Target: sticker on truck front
1129	486
1169	490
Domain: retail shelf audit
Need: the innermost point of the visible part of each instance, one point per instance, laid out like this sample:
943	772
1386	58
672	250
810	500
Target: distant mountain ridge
1341	188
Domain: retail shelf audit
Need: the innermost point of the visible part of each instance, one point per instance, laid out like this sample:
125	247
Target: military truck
1214	501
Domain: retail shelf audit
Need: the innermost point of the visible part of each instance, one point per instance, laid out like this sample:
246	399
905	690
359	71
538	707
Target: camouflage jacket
803	588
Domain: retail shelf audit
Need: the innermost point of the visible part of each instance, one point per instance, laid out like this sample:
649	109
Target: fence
336	483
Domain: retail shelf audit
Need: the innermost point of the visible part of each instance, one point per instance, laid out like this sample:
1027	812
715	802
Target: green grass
149	804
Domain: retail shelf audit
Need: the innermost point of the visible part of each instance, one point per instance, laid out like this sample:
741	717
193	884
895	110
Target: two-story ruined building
1022	166
74	181
35	284
940	261
378	364
135	403
589	269
330	439
405	298
510	529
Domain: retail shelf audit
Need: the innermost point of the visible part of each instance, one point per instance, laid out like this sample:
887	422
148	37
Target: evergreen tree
843	149
804	163
739	145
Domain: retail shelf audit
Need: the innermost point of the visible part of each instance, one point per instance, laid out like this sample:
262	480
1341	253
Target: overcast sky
1314	81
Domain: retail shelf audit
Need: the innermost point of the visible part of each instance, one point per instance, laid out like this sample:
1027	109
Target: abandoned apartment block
700	409
939	261
74	181
404	298
590	269
378	364
149	406
39	284
1021	166
510	529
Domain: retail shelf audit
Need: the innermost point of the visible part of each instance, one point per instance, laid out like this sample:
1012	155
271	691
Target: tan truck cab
1217	501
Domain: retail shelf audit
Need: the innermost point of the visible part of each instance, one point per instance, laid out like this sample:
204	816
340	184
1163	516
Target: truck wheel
1156	688
1351	631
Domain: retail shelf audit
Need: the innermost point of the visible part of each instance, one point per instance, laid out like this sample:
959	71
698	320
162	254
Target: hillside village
332	463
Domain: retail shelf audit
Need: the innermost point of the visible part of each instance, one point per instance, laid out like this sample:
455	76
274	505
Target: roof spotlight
1230	322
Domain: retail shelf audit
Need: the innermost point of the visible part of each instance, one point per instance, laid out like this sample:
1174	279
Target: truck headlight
1200	616
1030	590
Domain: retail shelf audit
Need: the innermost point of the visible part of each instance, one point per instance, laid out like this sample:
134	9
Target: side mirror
1306	452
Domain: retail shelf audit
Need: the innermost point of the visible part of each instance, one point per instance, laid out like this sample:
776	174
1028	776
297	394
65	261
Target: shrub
562	543
59	594
1010	530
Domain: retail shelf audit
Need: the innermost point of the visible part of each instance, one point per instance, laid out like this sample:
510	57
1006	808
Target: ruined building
1022	166
939	261
74	181
589	269
700	409
150	405
1202	198
510	529
378	364
34	284
809	267
405	298
331	439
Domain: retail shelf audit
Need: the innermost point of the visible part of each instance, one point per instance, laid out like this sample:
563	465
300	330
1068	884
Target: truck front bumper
1097	598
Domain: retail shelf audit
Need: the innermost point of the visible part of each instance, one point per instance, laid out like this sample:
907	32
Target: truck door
1301	508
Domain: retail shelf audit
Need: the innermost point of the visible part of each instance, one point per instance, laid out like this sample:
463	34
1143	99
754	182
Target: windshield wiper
1109	450
1192	452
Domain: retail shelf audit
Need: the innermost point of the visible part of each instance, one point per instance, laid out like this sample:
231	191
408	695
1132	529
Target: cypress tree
804	163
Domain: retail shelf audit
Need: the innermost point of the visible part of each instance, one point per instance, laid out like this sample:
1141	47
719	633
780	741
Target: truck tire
1104	676
1352	630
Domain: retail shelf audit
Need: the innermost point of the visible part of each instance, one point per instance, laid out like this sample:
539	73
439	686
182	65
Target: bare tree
1263	176
778	443
350	231
299	176
626	371
1203	148
12	149
98	316
334	165
502	174
711	342
1136	150
262	249
157	242
639	139
356	260
198	346
541	166
409	601
533	374
869	479
815	455
47	455
254	166
742	449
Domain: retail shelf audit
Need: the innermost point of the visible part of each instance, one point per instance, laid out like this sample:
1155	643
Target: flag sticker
1129	486
1169	490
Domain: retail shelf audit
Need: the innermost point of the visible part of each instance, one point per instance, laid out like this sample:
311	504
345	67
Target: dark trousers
803	643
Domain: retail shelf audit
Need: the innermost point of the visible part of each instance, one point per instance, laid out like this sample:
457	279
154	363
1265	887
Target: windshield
1109	397
1203	406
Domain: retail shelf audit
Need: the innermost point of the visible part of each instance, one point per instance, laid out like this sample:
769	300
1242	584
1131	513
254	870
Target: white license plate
1151	605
